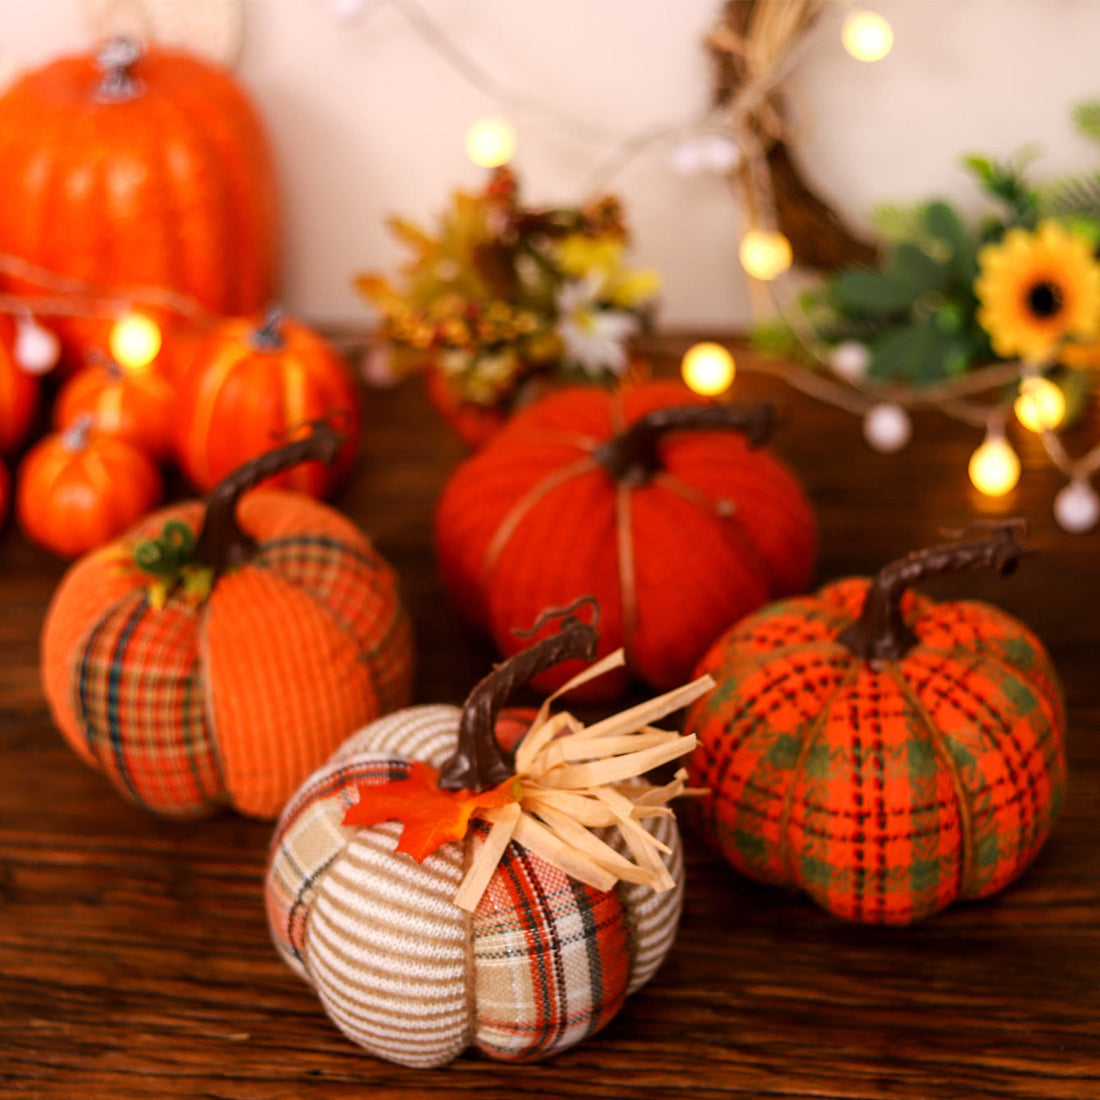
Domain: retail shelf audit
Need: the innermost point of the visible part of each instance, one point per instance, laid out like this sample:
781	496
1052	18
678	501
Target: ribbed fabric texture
543	962
530	523
235	702
885	791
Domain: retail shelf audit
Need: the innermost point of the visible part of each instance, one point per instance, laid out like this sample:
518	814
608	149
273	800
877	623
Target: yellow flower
1036	290
580	254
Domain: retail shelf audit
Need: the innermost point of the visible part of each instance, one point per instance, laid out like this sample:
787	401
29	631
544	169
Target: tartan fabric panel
551	958
360	591
138	698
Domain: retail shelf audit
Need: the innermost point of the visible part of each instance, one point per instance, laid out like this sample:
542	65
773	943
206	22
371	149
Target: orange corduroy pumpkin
215	656
76	489
675	529
255	382
18	391
136	404
883	752
147	174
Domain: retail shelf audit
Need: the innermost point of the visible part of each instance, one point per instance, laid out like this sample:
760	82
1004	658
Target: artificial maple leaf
431	815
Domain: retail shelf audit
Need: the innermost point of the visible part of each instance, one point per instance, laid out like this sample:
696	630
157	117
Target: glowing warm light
708	369
1077	507
135	341
491	142
994	467
1040	406
867	36
765	254
36	349
887	428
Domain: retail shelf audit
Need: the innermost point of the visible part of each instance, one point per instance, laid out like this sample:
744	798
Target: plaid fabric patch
884	792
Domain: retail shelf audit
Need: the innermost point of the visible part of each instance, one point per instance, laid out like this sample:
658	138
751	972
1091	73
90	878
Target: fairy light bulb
994	467
708	369
491	142
867	36
134	341
765	254
1077	507
1040	406
887	428
36	349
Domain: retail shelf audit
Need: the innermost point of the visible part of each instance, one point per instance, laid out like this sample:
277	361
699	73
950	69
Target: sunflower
1036	290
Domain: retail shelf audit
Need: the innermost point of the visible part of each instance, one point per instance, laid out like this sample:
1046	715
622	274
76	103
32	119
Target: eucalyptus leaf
919	353
941	222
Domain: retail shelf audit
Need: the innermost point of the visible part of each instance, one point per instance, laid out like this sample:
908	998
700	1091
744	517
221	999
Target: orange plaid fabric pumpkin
226	677
643	499
885	753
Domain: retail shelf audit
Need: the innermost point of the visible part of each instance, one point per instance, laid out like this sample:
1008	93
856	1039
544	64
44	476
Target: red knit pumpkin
215	656
255	382
885	753
18	391
675	533
130	172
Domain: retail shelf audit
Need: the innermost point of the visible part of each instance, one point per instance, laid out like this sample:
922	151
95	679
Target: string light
994	467
887	428
765	254
491	142
134	341
850	360
36	349
1077	507
867	36
1041	405
708	369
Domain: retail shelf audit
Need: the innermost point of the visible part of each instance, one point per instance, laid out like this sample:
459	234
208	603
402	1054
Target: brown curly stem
222	544
269	336
633	457
880	633
479	762
117	59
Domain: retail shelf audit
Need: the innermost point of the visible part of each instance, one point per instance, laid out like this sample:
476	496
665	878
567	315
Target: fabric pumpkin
215	656
676	533
18	391
254	381
130	171
883	752
77	489
135	405
401	962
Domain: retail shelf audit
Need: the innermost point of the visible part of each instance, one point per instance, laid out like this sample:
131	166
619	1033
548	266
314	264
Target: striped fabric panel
428	733
360	590
386	949
551	958
138	696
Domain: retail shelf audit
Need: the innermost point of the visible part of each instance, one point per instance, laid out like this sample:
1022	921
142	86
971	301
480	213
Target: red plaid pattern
885	791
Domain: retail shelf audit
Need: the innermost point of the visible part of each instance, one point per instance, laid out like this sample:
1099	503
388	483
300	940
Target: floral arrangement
503	294
947	297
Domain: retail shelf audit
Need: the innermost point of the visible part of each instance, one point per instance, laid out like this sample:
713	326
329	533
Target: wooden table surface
135	960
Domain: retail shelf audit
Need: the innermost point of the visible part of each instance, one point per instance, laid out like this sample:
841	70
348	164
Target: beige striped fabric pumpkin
543	962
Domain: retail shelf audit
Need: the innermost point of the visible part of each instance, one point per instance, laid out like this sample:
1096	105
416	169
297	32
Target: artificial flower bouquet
504	297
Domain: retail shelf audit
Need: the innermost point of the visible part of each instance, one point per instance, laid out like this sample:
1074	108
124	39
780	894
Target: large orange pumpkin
215	655
129	171
254	382
18	391
883	752
631	498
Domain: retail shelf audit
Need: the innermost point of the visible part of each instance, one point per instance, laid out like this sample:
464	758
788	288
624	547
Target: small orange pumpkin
675	529
885	753
255	382
137	405
149	174
215	655
18	391
76	489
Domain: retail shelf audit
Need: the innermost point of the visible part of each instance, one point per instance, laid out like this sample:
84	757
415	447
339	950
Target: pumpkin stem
117	58
222	544
479	762
269	337
633	456
881	633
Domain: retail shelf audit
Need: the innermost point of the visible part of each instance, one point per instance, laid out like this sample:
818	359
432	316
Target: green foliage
1086	118
1073	197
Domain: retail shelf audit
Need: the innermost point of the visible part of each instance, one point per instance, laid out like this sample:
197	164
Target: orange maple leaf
431	815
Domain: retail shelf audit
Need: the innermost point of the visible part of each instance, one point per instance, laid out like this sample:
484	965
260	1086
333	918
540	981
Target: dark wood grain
135	959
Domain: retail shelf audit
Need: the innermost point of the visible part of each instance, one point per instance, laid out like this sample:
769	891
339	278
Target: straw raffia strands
575	778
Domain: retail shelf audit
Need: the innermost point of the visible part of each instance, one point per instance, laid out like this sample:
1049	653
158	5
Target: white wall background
368	119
